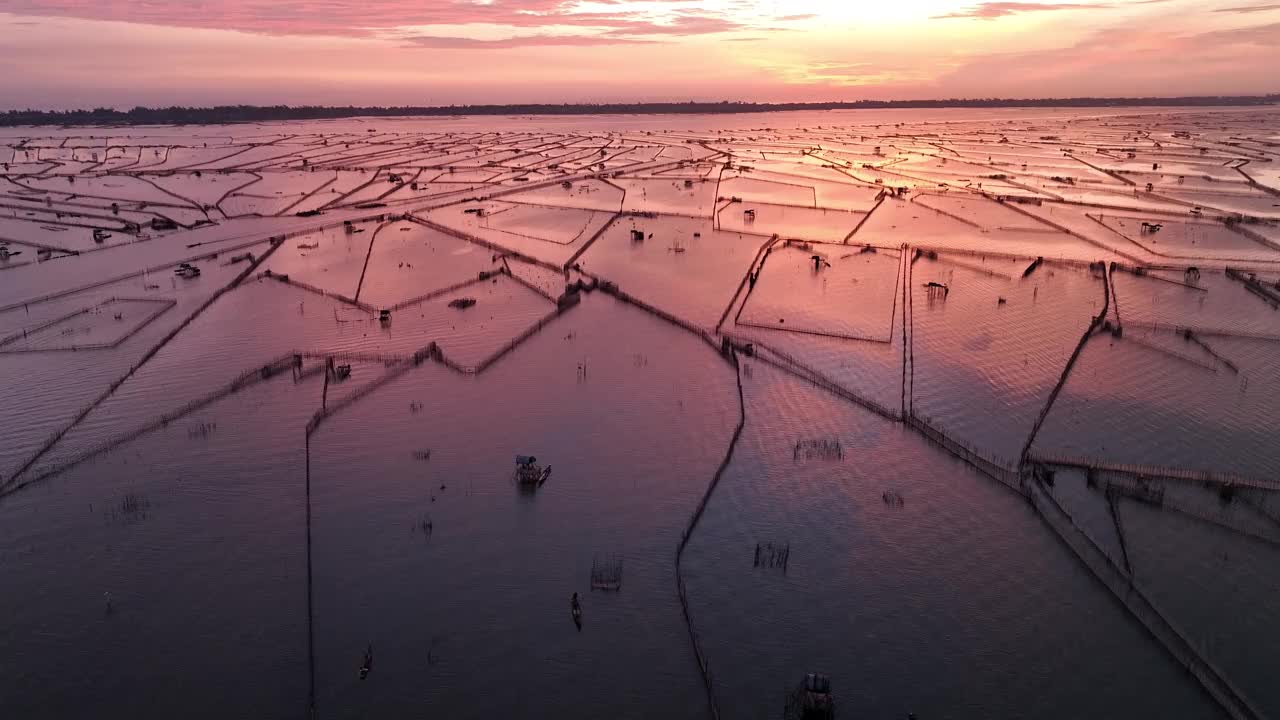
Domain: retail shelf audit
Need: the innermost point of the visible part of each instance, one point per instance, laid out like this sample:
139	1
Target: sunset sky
120	53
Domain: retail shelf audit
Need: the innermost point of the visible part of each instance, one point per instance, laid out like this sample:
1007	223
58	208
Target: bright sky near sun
82	53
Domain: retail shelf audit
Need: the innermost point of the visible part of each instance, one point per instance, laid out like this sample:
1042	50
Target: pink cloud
1248	9
1151	62
462	43
994	10
682	24
363	19
1267	35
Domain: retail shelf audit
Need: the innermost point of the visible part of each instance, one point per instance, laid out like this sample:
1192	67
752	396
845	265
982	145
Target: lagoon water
868	337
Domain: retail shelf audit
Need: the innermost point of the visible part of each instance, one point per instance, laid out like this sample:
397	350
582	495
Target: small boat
341	372
529	473
366	665
811	699
308	246
462	303
187	270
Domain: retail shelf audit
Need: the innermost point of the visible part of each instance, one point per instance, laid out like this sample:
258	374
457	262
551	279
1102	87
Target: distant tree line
258	113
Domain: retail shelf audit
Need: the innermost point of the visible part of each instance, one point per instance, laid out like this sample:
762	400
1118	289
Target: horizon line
220	114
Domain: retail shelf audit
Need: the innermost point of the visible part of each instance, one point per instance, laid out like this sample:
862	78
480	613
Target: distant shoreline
227	114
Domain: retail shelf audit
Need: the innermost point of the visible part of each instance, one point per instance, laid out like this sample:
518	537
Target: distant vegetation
256	113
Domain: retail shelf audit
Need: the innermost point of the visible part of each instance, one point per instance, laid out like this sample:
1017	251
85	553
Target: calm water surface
160	554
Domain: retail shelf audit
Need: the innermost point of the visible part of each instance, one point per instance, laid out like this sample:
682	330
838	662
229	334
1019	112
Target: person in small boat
367	664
